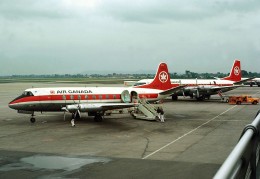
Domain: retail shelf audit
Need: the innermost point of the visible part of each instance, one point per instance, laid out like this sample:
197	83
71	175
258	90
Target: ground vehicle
243	99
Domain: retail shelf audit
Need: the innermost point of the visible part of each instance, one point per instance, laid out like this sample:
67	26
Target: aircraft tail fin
235	74
161	81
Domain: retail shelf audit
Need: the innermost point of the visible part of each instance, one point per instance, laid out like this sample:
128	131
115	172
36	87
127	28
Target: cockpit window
27	93
138	84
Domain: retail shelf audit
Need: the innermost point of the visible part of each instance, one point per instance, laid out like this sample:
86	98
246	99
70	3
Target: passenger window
94	97
114	96
100	96
107	96
64	97
79	97
87	97
72	97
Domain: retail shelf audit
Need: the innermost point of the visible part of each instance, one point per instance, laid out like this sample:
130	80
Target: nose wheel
32	118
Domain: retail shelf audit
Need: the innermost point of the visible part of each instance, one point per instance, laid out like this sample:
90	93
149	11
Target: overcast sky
85	36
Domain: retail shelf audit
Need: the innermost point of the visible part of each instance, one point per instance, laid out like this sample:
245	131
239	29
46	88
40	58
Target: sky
104	36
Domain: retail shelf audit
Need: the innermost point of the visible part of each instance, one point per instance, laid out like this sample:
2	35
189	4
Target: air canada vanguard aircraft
203	88
93	100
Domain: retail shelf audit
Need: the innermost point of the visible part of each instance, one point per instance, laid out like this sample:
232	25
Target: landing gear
207	96
191	96
32	118
201	98
174	97
98	118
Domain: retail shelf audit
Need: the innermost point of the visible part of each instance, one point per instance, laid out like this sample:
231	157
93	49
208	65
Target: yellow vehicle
243	99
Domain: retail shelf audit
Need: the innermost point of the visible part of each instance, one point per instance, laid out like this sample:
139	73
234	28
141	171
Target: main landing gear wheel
32	120
174	97
98	118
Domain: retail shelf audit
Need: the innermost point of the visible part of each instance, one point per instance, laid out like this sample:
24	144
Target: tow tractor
243	99
238	99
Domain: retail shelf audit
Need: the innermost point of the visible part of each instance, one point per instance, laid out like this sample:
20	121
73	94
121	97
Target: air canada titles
73	91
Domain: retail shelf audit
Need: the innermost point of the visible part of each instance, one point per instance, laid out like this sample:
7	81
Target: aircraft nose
12	105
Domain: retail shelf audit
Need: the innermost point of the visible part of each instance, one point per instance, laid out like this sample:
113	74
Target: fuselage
192	82
196	87
53	99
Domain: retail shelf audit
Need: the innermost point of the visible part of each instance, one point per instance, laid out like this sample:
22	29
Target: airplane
93	100
254	81
204	88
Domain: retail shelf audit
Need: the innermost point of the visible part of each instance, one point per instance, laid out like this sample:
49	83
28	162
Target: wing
243	81
213	90
172	90
95	107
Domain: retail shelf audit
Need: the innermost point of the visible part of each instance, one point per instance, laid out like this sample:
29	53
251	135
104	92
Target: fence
243	161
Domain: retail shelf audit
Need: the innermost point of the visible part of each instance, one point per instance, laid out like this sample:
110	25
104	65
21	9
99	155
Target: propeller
78	111
76	108
198	94
64	116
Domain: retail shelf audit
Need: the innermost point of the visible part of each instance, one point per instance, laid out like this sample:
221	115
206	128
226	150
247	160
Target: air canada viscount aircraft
93	100
204	88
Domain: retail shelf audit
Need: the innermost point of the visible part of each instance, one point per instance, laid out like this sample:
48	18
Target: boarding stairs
145	111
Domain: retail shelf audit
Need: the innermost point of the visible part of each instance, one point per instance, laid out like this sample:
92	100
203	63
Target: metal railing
244	159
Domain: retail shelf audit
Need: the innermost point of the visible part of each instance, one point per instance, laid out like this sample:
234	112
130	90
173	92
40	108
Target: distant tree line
188	75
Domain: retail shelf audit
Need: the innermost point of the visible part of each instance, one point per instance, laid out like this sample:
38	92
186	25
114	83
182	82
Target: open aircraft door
134	97
125	96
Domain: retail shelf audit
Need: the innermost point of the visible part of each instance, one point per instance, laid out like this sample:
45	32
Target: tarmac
194	141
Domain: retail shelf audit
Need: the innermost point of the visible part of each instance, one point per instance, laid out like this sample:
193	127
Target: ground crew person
73	120
162	115
159	112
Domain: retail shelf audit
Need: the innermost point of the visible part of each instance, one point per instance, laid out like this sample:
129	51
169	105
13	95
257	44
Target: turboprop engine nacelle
83	107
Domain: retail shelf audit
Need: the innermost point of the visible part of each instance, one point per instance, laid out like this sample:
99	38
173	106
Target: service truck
243	99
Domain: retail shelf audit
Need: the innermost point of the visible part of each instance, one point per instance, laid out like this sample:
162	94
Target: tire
227	101
100	119
254	103
174	97
239	102
32	120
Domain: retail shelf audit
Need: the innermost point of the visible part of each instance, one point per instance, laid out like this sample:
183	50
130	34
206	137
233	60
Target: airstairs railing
243	161
148	106
145	110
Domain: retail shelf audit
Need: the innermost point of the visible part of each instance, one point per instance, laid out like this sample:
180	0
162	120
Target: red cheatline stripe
76	97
